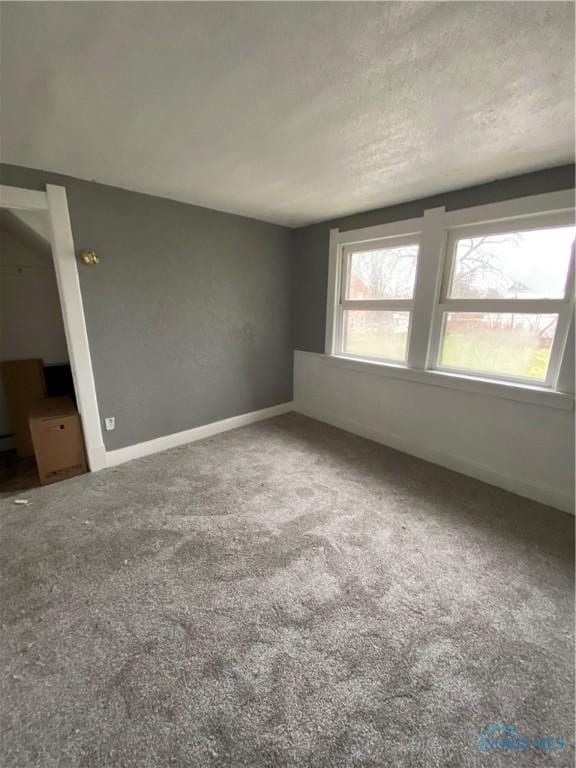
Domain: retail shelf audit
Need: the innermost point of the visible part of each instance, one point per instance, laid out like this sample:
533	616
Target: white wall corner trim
164	443
67	278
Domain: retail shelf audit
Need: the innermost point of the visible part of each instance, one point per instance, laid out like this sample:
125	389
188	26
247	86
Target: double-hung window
377	292
506	301
483	293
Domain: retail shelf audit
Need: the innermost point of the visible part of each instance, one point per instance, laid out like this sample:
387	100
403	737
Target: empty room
287	365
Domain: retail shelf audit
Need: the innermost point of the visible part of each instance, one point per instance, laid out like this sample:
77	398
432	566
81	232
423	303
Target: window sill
489	387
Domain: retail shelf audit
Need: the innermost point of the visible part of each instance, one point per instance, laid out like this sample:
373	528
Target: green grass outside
390	346
504	354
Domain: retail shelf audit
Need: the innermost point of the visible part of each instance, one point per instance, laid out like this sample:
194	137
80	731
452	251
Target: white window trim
433	231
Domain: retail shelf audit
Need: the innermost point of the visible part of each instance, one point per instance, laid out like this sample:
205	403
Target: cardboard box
23	382
57	438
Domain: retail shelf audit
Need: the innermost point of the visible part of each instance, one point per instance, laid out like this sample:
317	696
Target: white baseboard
121	455
544	495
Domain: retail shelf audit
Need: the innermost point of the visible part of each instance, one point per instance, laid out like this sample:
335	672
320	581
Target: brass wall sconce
89	258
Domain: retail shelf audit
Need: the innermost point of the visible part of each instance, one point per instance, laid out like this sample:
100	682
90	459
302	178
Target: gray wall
192	314
188	313
311	243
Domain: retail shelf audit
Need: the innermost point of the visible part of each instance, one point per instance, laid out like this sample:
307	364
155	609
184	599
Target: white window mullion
426	290
333	298
372	305
561	364
565	382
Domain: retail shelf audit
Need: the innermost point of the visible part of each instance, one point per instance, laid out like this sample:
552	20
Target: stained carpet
285	594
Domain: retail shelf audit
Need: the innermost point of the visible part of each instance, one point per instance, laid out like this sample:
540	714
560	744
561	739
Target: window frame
375	305
562	307
436	232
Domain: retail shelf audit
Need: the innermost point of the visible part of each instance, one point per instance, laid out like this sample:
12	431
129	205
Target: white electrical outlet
110	423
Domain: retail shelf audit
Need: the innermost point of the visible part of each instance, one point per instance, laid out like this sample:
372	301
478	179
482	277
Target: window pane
506	344
515	265
385	273
380	334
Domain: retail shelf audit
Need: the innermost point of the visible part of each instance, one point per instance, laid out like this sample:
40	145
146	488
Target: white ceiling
288	112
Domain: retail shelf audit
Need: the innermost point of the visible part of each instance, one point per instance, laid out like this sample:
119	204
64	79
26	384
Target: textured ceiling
288	112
